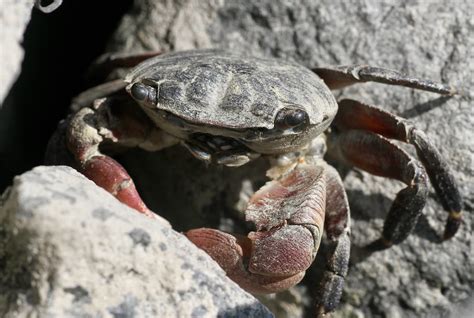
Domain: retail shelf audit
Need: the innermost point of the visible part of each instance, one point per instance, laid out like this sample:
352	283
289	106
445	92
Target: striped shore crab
228	109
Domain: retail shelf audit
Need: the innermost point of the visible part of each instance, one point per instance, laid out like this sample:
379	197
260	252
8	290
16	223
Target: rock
14	16
429	39
68	248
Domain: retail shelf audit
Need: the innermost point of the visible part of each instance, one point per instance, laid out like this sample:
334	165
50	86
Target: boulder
14	17
70	249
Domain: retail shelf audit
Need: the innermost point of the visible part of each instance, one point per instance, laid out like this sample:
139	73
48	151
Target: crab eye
288	118
139	92
143	93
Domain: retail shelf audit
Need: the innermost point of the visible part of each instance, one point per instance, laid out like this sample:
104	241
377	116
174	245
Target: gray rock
14	16
430	39
69	249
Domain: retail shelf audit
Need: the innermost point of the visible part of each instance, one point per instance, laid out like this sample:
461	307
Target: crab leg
88	97
107	63
337	227
289	217
355	115
339	77
111	120
377	155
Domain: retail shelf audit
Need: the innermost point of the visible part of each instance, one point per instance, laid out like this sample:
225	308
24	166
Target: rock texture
14	16
430	39
69	249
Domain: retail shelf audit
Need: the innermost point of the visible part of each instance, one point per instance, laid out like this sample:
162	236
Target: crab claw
289	216
232	253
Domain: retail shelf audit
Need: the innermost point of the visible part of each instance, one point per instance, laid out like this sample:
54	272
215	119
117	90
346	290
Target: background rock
429	39
14	16
69	249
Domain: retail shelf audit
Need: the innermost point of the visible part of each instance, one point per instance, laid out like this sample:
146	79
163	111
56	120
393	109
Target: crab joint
455	215
452	225
379	245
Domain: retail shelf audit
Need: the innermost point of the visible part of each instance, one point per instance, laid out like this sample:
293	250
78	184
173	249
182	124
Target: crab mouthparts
219	149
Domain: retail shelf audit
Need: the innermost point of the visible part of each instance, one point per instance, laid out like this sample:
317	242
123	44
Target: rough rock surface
431	39
69	249
14	16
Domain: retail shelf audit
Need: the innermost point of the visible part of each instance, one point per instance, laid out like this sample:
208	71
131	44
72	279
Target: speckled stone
14	17
69	249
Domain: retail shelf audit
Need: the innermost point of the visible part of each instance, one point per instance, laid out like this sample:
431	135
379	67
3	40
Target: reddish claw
289	216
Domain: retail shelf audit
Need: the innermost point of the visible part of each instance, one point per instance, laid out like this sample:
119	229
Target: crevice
59	47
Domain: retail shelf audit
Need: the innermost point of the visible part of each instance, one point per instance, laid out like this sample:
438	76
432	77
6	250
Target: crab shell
230	94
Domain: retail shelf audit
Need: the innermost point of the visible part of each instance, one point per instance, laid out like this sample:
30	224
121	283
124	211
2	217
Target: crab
228	109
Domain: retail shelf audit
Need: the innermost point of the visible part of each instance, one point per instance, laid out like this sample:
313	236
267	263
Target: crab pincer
289	217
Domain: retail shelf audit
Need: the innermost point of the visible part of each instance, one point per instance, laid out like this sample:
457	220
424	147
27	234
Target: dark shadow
366	207
424	230
189	193
378	208
361	253
58	49
422	108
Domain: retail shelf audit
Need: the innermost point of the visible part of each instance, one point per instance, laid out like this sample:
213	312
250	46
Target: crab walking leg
111	120
341	76
107	63
337	227
87	97
355	115
377	155
289	217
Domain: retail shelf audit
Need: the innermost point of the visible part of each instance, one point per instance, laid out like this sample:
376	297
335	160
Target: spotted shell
218	88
